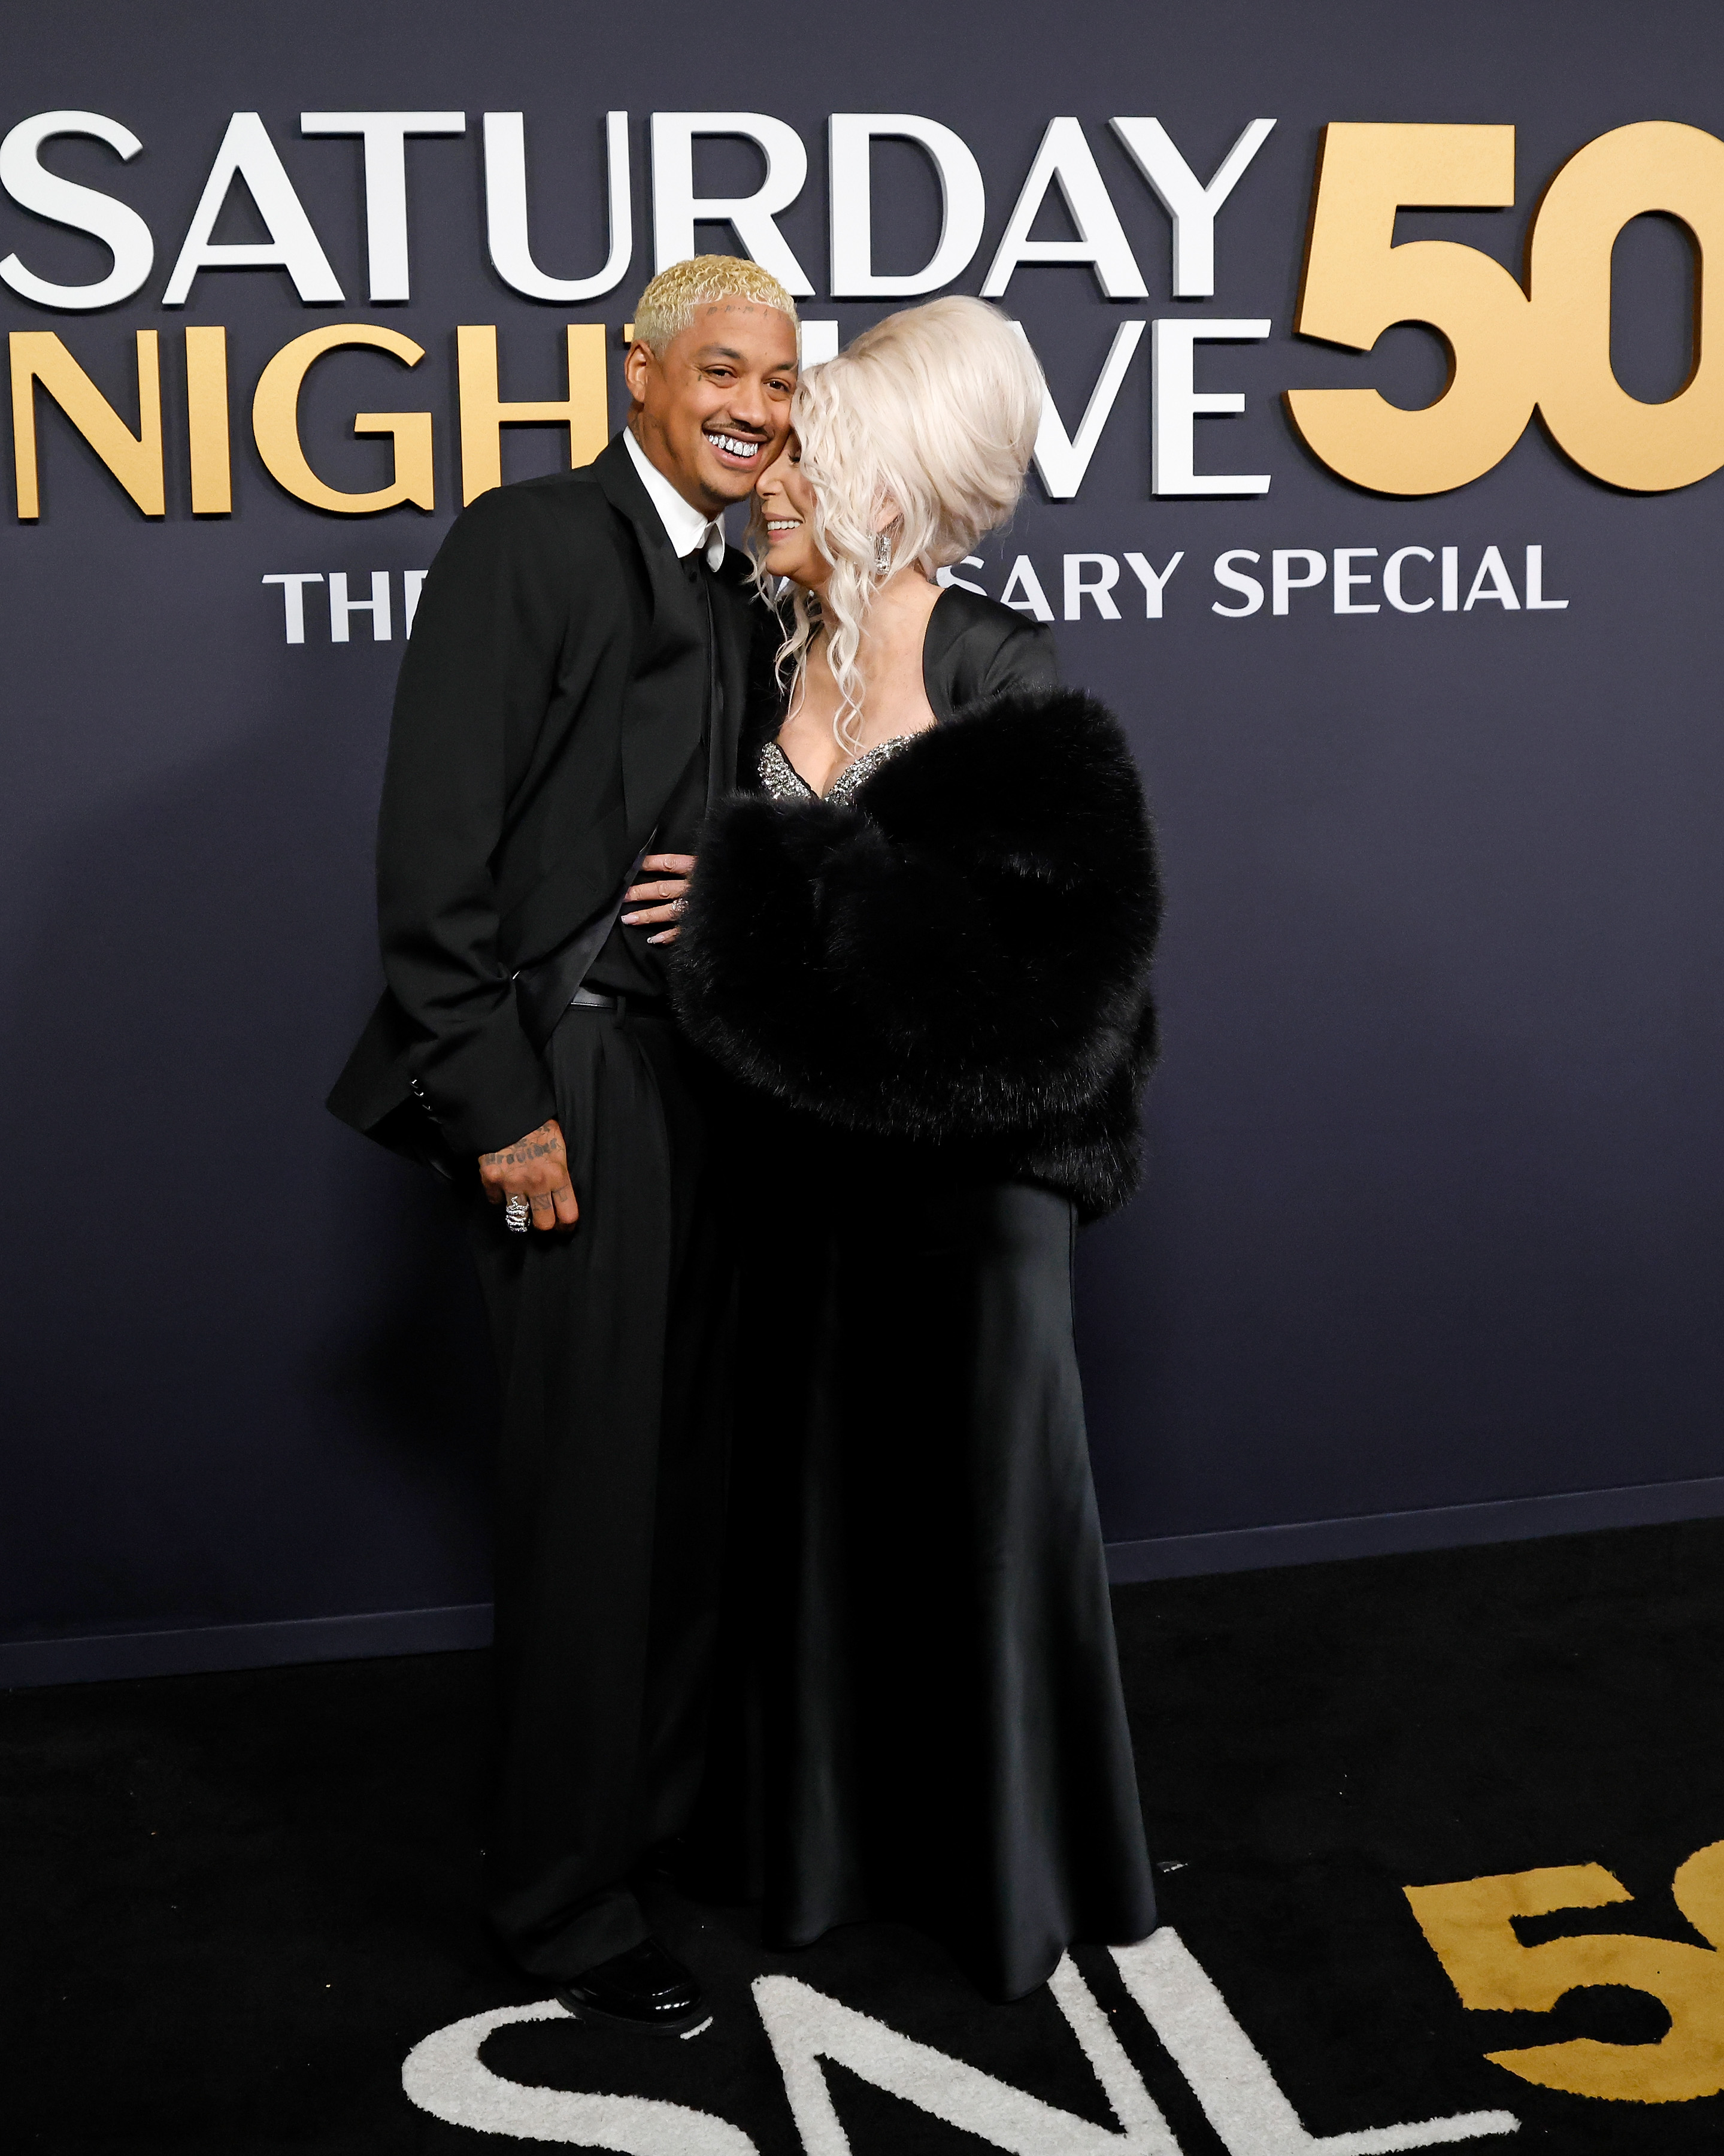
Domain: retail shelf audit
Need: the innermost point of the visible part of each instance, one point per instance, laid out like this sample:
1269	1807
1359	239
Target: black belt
642	1006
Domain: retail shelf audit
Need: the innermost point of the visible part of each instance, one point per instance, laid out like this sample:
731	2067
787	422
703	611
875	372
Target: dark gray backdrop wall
1430	1245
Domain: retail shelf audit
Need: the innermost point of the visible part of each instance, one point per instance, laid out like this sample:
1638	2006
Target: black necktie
712	729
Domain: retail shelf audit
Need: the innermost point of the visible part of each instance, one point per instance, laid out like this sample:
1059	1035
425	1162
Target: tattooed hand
534	1167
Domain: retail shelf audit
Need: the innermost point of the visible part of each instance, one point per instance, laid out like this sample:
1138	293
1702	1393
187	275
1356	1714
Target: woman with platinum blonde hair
908	449
920	944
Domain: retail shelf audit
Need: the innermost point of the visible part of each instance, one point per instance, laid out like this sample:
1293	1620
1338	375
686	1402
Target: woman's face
787	507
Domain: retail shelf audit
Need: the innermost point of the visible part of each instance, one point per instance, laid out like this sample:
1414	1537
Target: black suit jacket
552	694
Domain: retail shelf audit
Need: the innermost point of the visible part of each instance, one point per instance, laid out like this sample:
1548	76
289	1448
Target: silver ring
516	1214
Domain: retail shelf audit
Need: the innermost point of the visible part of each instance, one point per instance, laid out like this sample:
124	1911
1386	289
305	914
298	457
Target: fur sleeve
963	952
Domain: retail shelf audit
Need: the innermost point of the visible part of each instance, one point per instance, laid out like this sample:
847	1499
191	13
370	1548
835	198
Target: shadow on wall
245	1363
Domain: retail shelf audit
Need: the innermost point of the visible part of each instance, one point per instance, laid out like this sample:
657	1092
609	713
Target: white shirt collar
685	526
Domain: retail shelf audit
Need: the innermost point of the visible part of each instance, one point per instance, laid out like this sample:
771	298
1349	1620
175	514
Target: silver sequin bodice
781	779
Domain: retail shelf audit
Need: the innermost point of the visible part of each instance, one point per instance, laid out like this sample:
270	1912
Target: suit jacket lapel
738	619
666	701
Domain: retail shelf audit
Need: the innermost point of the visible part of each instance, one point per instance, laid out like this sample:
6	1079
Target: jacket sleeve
963	952
478	672
1024	664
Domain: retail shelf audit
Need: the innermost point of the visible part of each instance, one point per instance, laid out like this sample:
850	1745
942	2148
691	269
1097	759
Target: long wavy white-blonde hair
917	434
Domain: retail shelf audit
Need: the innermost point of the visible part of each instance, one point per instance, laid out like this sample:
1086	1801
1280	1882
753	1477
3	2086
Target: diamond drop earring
882	554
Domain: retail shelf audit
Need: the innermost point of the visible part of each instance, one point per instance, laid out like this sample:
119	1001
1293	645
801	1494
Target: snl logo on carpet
1470	1924
807	2029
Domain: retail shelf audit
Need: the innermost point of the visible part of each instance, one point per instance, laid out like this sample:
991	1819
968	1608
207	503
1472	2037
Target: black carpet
232	1905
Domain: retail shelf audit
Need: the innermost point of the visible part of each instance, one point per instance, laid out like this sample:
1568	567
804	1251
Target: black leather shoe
645	1992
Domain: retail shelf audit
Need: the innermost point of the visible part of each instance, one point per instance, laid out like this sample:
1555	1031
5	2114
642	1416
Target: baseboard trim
101	1657
96	1658
1397	1534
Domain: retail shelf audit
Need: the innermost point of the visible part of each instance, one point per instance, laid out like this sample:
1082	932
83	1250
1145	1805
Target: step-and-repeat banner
1377	493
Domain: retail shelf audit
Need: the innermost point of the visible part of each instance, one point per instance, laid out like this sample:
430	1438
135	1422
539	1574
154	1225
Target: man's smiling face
714	410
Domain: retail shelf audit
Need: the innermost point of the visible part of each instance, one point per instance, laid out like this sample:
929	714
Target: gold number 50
1471	1925
1510	348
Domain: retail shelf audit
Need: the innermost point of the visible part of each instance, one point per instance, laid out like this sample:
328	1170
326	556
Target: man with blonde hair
569	703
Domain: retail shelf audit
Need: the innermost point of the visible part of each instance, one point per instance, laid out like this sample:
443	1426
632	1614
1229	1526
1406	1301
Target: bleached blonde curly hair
677	294
919	434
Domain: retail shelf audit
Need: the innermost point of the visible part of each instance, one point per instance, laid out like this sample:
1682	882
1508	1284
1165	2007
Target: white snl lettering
1062	459
343	606
851	139
1191	205
1177	404
119	228
1245	2107
384	135
293	595
677	209
505	216
248	154
1065	160
1153	581
1098	588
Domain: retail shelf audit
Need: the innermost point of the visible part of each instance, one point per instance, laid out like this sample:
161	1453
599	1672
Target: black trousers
611	1339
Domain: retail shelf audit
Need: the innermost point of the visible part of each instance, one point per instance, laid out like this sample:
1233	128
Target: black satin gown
922	1717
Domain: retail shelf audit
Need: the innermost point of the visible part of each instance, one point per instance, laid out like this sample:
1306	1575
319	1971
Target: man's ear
636	365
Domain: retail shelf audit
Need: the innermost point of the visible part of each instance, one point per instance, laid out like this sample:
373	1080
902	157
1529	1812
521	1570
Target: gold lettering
134	459
1358	283
275	424
1471	1925
585	410
206	422
1655	166
1506	351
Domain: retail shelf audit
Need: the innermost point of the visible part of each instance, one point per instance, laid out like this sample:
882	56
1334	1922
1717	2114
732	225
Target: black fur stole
959	954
